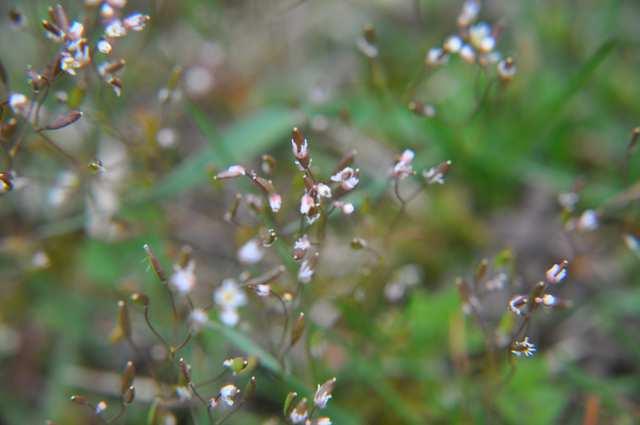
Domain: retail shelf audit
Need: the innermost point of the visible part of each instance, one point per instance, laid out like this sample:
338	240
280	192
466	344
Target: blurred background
208	84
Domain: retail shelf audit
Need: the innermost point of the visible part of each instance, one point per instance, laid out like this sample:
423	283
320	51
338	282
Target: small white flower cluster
229	297
225	396
76	52
475	42
403	168
523	348
300	413
183	279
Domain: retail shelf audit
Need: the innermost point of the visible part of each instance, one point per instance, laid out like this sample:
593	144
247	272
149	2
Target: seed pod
8	129
139	299
185	369
298	330
78	399
123	327
250	388
4	79
129	395
127	377
54	32
155	264
59	16
288	402
64	120
481	270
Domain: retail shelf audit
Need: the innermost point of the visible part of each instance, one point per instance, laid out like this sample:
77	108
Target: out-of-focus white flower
469	12
251	252
452	44
370	50
263	290
275	202
324	191
347	208
307	203
506	69
323	420
183	278
135	22
347	177
75	31
198	319
468	54
231	172
183	393
300	247
66	183
229	295
632	242
166	137
323	393
19	103
523	348
517	304
229	316
568	200
104	47
557	272
40	260
548	300
227	393
436	57
101	407
198	80
307	270
436	174
588	221
403	167
115	29
480	36
299	413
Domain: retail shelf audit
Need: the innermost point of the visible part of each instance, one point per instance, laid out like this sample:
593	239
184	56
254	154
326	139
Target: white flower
227	393
183	393
469	12
229	316
232	171
135	22
436	56
523	348
478	34
18	103
347	177
104	47
166	137
323	421
453	44
436	174
468	54
557	272
275	202
323	190
229	296
251	252
403	168
548	300
115	29
347	208
307	203
76	30
300	247
198	319
323	393
588	221
183	279
517	304
506	69
263	290
300	151
305	274
299	413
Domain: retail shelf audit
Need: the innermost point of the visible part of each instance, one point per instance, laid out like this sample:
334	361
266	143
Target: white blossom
183	278
251	252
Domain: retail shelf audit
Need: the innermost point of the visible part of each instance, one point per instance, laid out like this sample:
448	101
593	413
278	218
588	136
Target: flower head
299	413
517	304
323	393
227	393
557	272
183	278
403	167
229	295
523	348
347	177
